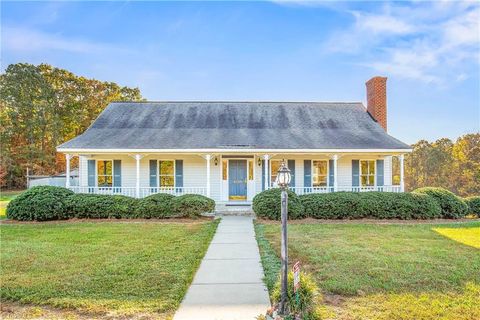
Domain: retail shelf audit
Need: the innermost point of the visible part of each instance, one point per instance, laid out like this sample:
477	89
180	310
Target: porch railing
308	190
144	192
124	191
176	191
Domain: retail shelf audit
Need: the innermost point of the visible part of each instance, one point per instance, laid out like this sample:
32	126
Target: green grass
5	198
383	271
469	237
119	268
9	195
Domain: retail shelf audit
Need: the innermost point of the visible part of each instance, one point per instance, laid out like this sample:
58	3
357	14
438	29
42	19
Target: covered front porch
235	178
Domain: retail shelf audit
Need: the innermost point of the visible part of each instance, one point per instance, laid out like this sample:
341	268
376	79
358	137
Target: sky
271	50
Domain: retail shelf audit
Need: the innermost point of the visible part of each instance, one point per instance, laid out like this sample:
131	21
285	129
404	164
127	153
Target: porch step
234	209
245	213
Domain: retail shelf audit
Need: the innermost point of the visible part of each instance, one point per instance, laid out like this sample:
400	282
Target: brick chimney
377	99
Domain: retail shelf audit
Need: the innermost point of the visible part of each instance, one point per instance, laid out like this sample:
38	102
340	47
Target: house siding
194	170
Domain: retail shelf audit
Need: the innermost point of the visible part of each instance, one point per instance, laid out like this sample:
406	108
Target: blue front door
237	179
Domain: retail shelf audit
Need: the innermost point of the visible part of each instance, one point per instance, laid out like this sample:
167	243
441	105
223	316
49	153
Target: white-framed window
104	173
367	173
166	173
274	166
319	173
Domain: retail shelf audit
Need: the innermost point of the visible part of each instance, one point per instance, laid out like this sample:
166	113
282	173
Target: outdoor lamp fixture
259	162
283	180
215	161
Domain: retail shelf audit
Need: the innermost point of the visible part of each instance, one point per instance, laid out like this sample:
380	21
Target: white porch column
138	157
335	172
208	157
267	183
67	173
402	183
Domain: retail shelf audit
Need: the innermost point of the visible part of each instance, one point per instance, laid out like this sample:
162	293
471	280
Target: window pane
371	167
105	181
101	167
319	167
320	181
319	175
224	169
108	167
364	167
364	180
275	165
395	171
250	169
371	180
166	168
167	181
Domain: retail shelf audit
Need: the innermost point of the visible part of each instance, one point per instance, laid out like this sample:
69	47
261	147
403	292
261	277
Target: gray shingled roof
228	125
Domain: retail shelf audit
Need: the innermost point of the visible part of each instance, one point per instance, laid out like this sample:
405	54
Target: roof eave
239	150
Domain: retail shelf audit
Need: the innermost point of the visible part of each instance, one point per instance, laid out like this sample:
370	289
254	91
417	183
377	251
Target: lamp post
283	180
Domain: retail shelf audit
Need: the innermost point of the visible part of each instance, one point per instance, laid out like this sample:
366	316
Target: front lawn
5	198
384	271
114	268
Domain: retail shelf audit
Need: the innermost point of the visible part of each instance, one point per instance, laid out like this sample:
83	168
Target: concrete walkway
228	284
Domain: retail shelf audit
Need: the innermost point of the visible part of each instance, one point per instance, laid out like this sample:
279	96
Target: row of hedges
55	203
424	203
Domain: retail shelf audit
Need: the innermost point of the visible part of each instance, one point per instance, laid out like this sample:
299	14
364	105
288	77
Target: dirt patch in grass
14	311
310	221
75	220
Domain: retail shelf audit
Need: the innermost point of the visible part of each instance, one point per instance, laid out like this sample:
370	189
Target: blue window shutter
307	173
153	173
263	175
179	173
380	175
91	173
331	173
117	173
355	173
291	166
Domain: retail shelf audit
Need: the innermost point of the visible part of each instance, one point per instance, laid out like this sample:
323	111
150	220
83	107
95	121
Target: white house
230	151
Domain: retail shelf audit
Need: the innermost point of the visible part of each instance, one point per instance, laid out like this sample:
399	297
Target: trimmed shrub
267	204
474	205
192	205
453	207
379	205
158	205
101	206
308	301
40	203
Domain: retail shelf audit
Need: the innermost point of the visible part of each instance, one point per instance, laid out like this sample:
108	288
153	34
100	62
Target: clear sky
277	51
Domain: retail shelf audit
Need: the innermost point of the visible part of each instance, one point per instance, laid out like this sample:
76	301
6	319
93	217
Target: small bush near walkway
308	297
453	207
54	203
473	205
267	205
40	203
192	205
379	205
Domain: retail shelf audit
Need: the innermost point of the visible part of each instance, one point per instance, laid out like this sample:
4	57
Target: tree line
444	163
41	107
